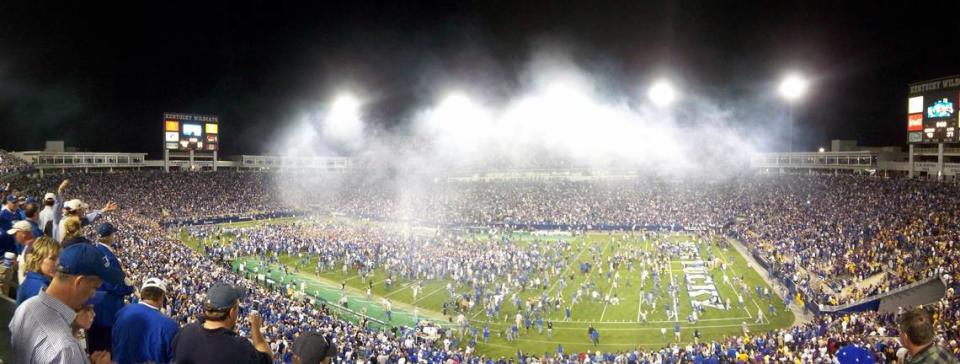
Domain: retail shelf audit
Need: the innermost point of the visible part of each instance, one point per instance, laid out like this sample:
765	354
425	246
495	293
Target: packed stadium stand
822	236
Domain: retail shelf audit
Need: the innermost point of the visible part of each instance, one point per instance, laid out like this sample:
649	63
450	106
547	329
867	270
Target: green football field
621	325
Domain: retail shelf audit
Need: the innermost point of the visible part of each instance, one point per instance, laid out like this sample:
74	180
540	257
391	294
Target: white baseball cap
154	282
22	225
49	196
74	205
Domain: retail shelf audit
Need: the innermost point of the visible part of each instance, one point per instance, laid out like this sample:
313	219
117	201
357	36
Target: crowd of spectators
10	164
809	228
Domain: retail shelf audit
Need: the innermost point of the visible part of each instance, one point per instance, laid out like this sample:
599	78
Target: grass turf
620	325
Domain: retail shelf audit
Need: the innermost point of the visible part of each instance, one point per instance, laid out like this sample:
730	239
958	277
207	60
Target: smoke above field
558	116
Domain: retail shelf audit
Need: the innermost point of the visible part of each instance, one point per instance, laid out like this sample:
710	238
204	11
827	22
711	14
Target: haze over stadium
482	183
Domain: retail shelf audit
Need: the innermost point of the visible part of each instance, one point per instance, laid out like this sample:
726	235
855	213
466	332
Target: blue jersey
106	310
143	334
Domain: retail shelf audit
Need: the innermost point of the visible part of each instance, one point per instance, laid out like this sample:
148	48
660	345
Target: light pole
792	88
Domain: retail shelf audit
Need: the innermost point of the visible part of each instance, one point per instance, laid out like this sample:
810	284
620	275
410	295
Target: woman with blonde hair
41	265
73	232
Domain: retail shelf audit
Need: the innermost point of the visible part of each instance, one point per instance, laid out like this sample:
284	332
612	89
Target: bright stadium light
662	93
343	123
457	125
822	150
793	87
345	106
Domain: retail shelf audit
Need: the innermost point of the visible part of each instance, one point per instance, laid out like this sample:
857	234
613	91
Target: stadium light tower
792	88
662	93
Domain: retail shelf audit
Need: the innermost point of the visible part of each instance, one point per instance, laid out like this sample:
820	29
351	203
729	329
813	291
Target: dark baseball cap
87	260
11	198
222	296
313	348
106	229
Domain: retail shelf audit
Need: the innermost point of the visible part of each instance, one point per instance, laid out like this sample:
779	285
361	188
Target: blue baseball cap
222	296
851	354
11	198
87	260
95	300
106	229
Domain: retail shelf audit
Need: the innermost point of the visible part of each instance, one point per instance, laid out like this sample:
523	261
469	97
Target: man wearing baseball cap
99	335
62	210
40	328
22	233
313	348
141	333
9	214
214	340
46	215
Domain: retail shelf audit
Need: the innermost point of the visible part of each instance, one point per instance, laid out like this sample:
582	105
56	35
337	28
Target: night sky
99	75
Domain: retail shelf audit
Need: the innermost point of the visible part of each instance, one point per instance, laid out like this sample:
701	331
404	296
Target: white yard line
604	312
573	264
601	324
640	305
399	289
676	315
735	289
430	294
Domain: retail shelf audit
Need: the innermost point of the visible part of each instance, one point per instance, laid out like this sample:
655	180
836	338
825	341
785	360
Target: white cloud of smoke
560	116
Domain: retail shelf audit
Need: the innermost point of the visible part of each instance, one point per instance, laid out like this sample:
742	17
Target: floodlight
793	87
662	93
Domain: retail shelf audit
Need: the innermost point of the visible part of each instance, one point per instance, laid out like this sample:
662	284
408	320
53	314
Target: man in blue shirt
98	337
30	212
9	214
142	333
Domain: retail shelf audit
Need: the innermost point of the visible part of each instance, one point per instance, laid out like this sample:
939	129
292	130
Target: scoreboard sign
191	132
932	115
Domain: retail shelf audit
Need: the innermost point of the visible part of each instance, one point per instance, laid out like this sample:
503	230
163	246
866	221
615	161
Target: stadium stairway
866	282
919	293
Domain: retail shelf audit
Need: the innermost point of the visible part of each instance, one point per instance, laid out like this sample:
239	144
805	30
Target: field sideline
620	326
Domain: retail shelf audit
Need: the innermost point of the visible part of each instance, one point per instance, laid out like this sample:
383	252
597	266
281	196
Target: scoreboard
191	132
932	115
